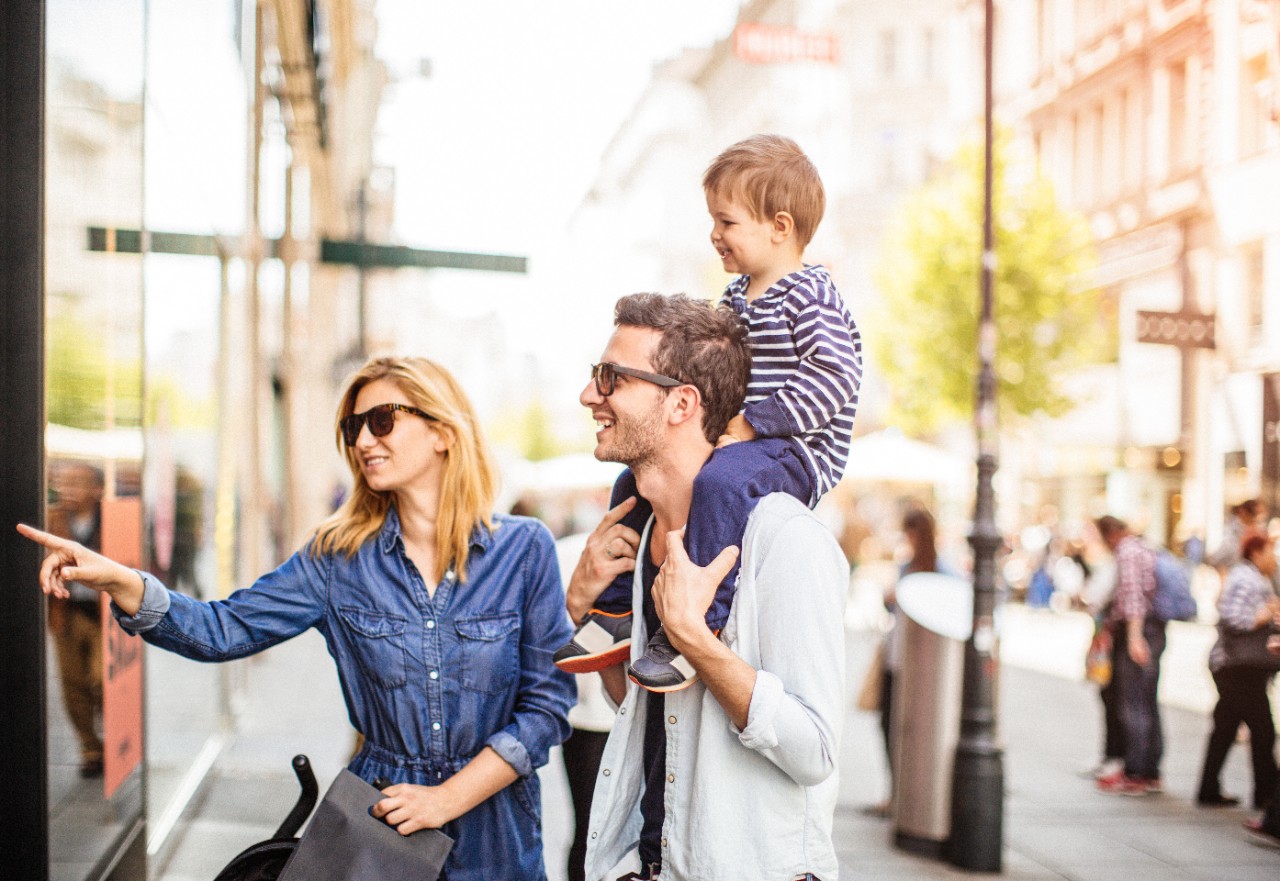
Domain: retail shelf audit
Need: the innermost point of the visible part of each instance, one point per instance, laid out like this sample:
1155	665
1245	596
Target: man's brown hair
703	346
768	174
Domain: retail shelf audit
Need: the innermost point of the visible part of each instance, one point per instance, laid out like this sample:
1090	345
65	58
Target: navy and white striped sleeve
825	380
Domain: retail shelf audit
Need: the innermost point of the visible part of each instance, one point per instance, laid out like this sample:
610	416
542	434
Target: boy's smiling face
746	244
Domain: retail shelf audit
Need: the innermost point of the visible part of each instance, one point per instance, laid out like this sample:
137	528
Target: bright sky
495	147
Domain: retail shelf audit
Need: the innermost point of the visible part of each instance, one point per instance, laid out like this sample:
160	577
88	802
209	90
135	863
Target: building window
1044	31
1252	286
1109	326
890	148
1130	141
1111	149
1179	146
1257	105
1103	155
888	54
1079	157
930	50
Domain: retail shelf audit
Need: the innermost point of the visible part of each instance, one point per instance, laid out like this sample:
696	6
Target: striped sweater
806	367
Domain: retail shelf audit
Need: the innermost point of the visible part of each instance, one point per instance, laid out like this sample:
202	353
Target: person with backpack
1248	604
1138	640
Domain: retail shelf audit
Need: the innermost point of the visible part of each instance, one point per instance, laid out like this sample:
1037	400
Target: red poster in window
121	653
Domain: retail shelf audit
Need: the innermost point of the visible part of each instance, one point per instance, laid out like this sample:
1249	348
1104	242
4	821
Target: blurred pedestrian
440	616
1244	517
1138	640
920	532
1096	596
1247	603
76	620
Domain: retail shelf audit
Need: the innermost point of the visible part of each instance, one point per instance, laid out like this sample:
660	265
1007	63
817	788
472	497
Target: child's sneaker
601	640
661	667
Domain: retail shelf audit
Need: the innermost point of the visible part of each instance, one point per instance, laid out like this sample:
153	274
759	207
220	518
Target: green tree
86	386
925	335
529	431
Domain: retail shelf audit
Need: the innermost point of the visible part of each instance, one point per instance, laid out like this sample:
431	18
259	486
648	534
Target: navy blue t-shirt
655	743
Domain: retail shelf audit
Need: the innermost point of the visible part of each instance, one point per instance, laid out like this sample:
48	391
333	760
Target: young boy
766	200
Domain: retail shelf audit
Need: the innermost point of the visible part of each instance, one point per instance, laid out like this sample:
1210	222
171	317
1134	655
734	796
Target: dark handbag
1248	648
346	843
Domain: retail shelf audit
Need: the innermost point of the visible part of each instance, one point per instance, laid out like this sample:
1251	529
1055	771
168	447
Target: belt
432	766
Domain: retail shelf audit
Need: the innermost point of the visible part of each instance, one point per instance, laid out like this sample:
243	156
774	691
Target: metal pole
24	814
977	789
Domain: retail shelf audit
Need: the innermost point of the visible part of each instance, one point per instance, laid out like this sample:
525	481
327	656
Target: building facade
172	329
1158	121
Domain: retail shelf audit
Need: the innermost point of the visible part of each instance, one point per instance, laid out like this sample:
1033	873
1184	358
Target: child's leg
603	637
726	491
616	598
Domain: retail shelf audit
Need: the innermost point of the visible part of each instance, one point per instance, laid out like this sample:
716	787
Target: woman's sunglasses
381	419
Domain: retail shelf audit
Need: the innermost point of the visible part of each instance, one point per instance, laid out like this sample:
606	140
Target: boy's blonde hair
768	174
470	481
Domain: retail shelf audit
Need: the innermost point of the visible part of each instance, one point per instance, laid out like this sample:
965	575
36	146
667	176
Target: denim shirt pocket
378	644
490	651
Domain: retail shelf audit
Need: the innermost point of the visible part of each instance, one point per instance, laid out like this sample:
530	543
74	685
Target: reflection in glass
93	177
75	623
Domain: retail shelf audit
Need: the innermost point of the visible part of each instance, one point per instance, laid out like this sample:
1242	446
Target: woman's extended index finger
39	536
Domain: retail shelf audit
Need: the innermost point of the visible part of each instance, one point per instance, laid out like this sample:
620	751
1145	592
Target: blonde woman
441	616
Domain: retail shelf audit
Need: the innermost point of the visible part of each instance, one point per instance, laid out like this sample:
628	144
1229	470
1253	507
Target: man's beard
634	439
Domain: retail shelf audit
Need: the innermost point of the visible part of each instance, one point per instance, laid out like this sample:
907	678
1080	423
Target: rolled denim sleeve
540	719
512	752
155	605
796	705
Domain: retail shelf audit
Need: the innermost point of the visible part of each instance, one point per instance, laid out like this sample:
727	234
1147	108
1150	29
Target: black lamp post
977	788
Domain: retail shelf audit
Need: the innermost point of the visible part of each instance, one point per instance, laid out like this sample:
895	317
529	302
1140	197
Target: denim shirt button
434	674
431	624
435	726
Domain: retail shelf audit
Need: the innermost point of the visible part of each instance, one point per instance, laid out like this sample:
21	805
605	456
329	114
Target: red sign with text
777	44
121	653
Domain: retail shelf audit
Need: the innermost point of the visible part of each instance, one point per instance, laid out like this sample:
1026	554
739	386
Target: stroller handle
306	799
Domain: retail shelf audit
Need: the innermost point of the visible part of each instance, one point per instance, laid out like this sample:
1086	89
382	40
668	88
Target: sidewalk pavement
1056	824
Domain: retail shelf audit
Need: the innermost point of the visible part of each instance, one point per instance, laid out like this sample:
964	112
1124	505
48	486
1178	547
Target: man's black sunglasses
605	375
381	419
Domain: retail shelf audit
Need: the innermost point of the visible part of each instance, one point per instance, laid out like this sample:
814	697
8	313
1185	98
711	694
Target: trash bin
936	612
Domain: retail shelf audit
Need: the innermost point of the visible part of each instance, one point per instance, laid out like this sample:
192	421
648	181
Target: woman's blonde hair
470	482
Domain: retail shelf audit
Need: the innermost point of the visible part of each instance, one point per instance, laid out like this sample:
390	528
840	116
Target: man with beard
734	776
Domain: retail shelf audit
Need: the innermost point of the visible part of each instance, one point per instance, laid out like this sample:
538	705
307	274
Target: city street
1057	826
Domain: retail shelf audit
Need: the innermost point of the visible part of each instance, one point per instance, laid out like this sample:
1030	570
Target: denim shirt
757	802
429	680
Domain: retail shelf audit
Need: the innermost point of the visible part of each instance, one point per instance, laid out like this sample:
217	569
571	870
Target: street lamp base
977	808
